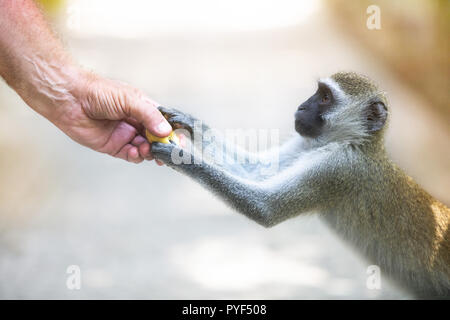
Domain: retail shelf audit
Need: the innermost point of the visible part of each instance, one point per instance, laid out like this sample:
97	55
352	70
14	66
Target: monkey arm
291	192
260	165
251	165
231	157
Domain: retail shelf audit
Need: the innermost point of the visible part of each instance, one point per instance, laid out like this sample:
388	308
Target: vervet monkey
337	166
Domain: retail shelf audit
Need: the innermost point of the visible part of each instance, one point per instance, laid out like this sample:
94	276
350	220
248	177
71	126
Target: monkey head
346	107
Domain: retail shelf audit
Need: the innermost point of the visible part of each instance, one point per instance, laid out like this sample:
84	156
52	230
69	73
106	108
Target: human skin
105	115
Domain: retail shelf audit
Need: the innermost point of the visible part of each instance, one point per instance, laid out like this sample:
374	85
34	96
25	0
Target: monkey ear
376	115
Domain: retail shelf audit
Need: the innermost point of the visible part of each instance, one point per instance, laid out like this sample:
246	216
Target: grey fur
346	176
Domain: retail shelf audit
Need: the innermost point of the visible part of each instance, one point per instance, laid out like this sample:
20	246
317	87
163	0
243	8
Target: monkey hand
180	120
170	154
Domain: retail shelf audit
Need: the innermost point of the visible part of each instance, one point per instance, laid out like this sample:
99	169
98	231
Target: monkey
336	166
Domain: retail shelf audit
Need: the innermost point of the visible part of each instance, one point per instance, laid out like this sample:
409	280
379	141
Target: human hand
110	117
105	115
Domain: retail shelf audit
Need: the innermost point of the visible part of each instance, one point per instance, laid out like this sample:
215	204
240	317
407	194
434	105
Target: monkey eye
325	98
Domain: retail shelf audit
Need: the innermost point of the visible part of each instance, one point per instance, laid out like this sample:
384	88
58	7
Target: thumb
145	111
115	100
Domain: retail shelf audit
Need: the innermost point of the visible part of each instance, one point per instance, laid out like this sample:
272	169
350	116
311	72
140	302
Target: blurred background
235	64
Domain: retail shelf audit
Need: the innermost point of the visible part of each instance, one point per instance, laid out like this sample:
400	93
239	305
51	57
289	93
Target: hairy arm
105	115
32	60
295	190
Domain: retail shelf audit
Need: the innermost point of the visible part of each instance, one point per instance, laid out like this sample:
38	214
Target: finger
144	110
144	150
123	152
138	140
129	153
133	155
159	163
143	146
121	135
139	126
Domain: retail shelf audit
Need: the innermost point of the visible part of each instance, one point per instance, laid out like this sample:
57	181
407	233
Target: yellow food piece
171	137
53	7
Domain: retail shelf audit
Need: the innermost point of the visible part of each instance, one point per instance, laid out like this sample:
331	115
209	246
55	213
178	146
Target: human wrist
48	87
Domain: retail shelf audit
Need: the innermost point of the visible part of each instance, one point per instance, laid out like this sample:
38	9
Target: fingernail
164	127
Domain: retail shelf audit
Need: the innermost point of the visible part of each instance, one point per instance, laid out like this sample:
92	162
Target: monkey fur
337	167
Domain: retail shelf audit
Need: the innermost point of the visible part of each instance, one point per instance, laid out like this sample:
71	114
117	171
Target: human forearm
33	61
105	115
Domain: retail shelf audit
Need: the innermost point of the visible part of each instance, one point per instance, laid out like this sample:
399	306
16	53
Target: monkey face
309	115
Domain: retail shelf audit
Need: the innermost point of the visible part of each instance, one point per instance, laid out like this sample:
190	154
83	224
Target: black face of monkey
308	118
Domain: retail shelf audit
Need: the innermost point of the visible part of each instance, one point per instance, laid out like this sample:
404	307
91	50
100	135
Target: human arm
105	115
